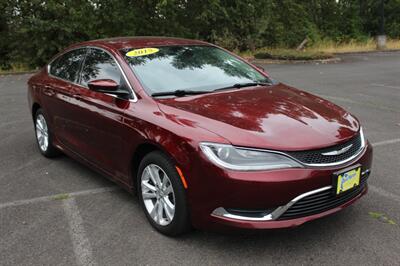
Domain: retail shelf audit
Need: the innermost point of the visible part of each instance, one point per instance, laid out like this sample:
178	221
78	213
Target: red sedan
205	138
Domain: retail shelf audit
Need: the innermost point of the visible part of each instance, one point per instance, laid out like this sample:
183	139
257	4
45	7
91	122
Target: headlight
233	158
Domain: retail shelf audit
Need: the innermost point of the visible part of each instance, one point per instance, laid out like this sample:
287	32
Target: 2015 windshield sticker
142	52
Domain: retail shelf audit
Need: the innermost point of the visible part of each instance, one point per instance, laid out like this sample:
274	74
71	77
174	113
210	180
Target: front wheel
162	194
44	135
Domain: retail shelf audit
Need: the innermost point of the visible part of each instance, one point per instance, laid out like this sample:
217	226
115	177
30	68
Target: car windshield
189	68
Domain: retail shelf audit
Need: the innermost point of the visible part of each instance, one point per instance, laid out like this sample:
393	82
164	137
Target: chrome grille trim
350	158
278	212
322	202
271	216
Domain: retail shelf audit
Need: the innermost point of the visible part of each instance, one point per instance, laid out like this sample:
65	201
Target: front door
99	116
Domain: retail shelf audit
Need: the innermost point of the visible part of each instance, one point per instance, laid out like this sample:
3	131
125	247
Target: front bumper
267	194
275	224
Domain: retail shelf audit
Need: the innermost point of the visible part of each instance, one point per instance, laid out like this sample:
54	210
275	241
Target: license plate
348	179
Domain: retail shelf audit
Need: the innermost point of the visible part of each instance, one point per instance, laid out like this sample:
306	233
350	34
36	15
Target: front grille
316	157
322	201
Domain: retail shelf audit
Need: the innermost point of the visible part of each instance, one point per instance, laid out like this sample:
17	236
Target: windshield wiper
178	93
181	93
242	85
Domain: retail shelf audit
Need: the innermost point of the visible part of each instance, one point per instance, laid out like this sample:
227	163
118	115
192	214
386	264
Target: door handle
77	96
48	91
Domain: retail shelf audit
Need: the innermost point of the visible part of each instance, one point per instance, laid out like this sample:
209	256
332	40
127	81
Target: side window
100	65
67	65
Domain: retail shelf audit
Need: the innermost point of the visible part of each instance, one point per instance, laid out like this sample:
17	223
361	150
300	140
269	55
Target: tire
158	164
44	136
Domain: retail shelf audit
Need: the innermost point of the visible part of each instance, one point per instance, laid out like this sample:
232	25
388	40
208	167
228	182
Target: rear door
58	91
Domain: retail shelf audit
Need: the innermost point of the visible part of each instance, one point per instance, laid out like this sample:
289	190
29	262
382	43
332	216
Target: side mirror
101	85
107	86
260	68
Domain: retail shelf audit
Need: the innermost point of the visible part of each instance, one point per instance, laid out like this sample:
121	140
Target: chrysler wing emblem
338	152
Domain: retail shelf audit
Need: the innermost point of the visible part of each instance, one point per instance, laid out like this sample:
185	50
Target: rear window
67	65
99	65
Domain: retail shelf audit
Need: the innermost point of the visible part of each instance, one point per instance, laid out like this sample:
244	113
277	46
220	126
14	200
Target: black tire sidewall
180	223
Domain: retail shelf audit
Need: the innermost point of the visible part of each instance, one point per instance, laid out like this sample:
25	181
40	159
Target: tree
32	31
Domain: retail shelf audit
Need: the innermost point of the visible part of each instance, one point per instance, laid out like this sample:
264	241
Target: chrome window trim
135	99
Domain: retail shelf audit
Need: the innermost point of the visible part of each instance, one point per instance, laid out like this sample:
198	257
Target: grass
16	68
321	50
382	217
60	196
352	46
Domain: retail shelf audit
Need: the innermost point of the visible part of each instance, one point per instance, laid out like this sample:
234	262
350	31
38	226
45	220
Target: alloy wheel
42	132
158	194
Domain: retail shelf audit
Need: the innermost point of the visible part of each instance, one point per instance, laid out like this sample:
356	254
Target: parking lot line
57	196
80	242
347	100
385	86
384	193
364	103
385	142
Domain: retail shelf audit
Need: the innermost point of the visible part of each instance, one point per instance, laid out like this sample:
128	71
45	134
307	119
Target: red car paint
111	135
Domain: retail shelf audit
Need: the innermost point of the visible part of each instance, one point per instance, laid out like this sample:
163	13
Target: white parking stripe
385	86
364	103
347	100
93	191
81	244
384	193
54	197
385	142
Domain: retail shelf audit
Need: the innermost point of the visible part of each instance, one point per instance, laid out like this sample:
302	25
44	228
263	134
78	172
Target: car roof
118	43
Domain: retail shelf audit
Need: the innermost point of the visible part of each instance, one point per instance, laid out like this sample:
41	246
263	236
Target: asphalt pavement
58	212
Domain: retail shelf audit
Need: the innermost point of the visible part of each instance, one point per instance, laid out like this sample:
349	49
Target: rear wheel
44	136
162	194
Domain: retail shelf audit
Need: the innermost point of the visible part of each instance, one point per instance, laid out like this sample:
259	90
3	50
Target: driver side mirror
107	86
260	68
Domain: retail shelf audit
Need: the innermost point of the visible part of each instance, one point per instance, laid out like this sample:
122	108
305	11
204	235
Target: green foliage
392	10
289	26
32	31
5	42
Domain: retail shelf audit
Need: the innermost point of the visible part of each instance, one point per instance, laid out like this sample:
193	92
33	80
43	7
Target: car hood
274	117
